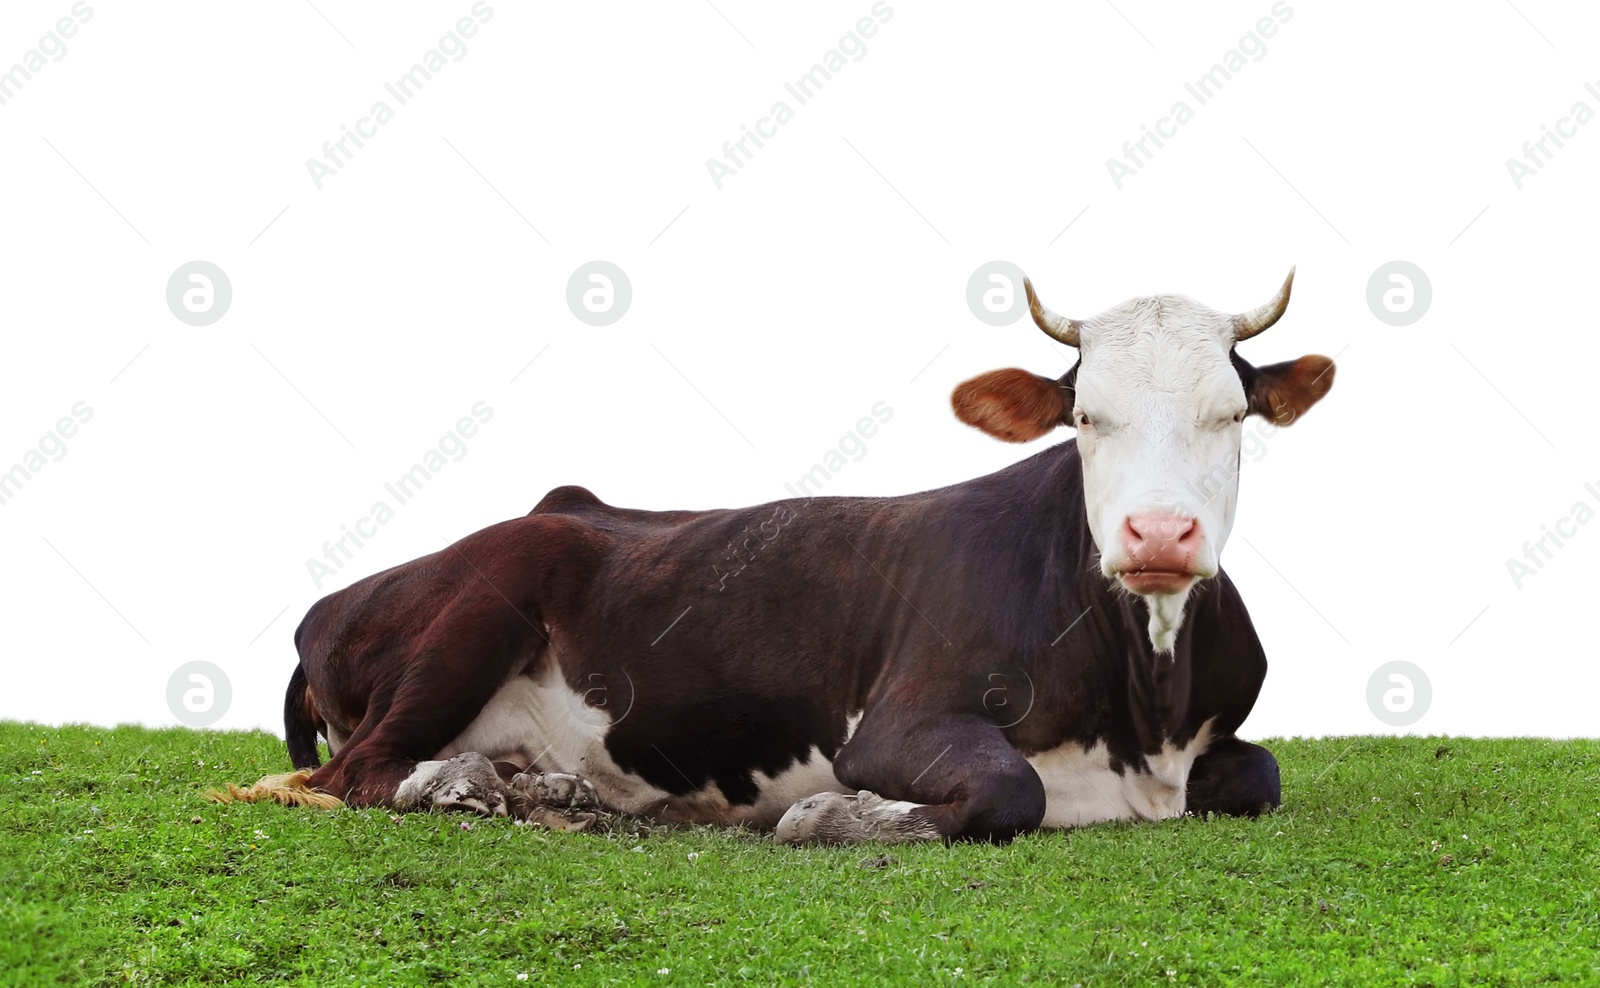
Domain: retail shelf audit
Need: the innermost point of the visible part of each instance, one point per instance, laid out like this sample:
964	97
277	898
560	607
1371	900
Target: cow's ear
1013	404
1281	393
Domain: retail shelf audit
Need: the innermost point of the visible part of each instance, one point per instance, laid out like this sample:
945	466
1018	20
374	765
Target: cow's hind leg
410	658
430	652
956	778
1235	778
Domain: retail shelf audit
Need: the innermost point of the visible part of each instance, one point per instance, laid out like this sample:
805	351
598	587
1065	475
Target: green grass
1394	861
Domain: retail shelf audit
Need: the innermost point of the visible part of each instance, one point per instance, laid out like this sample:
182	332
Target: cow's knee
989	792
998	809
1005	806
1235	778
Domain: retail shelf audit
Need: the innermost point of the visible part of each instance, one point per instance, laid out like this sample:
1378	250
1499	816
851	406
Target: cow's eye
1238	417
1084	421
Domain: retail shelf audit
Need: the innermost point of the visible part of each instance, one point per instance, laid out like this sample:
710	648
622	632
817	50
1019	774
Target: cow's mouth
1150	581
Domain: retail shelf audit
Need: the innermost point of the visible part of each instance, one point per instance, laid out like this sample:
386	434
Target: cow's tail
300	723
300	732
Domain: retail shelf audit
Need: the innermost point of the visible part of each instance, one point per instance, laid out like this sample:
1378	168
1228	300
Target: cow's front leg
954	778
1235	778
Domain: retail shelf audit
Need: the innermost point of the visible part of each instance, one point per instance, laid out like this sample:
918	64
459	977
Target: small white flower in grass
523	976
465	825
694	856
663	970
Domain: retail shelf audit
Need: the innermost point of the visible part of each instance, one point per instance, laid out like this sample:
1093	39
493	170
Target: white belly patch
1081	788
538	718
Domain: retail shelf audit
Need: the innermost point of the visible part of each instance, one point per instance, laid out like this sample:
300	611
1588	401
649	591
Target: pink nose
1159	542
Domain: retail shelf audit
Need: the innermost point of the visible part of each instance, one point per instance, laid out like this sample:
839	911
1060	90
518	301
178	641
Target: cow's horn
1058	328
1248	324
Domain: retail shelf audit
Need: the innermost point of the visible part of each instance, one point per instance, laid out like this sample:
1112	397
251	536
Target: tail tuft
289	789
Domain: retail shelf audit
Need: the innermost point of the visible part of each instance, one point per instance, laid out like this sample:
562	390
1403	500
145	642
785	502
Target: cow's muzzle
1163	553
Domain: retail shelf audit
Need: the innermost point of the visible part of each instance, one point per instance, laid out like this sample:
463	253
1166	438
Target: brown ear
1013	404
1281	393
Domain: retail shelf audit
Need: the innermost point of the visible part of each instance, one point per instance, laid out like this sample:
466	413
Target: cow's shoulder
567	499
1229	662
581	503
1222	620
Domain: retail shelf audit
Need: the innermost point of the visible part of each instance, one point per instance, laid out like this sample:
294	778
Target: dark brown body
934	648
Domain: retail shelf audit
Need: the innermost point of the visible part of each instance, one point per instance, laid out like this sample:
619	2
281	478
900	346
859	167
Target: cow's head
1158	397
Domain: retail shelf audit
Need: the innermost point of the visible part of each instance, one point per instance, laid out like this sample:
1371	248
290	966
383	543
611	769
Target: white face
1159	417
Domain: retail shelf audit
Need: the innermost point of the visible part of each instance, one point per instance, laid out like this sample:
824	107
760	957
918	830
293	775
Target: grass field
1394	861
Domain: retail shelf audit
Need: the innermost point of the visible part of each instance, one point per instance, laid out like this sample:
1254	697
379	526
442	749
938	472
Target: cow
1049	646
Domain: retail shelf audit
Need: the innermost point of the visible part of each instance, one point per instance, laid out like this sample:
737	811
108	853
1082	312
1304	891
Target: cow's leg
409	658
467	781
392	765
484	629
470	781
1235	778
389	760
955	778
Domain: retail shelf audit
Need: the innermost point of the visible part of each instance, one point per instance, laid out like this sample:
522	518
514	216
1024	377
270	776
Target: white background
769	315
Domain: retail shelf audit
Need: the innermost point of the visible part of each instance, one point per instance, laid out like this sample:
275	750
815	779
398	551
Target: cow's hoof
558	790
544	816
835	818
466	782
